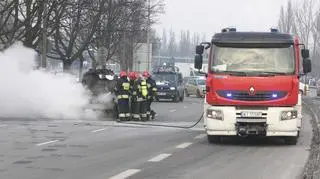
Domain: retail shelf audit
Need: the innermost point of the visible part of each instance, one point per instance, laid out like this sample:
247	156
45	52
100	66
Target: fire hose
163	125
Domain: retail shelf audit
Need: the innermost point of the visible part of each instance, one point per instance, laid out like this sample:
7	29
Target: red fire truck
252	85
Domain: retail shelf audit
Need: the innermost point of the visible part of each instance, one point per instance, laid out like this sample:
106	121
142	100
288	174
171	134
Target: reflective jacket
122	89
134	90
143	92
152	88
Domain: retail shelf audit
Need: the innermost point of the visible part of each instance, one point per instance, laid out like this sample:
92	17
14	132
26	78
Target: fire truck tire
214	139
291	140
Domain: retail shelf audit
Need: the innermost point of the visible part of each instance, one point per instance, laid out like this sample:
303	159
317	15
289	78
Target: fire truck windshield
253	60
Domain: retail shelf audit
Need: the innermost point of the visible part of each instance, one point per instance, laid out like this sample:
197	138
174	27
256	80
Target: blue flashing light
229	95
274	95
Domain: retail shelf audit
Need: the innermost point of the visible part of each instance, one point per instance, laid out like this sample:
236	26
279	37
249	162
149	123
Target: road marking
3	125
201	136
184	107
173	110
126	174
49	142
159	158
98	130
183	145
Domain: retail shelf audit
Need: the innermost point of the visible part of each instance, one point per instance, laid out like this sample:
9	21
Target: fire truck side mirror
198	62
305	53
306	65
199	49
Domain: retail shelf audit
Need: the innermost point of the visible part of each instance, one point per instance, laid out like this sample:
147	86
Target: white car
301	88
195	86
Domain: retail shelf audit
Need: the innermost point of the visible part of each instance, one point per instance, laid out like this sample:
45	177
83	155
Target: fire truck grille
246	96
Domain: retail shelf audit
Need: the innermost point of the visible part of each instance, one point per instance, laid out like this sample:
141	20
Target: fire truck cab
252	84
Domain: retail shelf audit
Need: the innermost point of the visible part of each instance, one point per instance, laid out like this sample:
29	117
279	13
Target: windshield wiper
235	73
270	73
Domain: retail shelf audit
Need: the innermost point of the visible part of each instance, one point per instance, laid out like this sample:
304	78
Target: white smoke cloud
29	93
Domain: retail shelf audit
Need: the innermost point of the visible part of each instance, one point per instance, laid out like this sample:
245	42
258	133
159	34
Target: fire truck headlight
215	114
288	115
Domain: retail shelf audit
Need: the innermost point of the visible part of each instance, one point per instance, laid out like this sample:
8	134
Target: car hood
165	83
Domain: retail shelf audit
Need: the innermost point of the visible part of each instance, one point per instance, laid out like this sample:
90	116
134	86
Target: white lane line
3	125
126	174
159	157
183	145
98	130
201	136
173	110
49	142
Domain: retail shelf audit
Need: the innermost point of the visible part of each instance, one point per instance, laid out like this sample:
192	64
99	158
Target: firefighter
143	97
152	92
135	104
122	91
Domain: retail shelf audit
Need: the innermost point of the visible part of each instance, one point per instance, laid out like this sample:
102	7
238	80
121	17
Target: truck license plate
161	94
251	114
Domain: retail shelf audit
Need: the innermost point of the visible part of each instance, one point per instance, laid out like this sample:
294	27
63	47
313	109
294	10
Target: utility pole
148	35
44	34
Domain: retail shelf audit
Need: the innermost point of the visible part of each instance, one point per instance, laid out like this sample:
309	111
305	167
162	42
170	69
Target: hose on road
163	125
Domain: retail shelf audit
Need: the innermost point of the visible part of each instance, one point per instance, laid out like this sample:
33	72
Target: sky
210	16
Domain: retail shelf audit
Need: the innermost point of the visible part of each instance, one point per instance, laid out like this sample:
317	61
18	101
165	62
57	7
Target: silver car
195	86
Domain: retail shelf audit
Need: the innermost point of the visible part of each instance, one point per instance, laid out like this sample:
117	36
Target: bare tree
76	29
304	20
286	19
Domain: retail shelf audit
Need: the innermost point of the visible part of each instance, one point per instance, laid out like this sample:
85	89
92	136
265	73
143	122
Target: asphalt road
38	149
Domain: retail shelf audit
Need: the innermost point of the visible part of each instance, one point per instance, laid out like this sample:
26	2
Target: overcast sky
209	16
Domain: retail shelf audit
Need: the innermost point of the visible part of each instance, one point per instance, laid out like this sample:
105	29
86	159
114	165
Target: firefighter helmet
123	74
132	76
146	74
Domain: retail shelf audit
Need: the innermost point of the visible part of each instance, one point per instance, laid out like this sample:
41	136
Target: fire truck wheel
214	139
292	140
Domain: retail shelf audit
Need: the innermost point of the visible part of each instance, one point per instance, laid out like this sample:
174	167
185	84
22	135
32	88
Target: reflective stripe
143	115
154	89
126	86
122	115
123	96
140	99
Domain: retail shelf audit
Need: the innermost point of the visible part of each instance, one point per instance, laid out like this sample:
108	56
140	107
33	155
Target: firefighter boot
153	114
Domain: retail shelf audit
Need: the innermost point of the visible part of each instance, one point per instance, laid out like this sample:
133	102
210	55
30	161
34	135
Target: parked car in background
301	88
318	87
195	86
